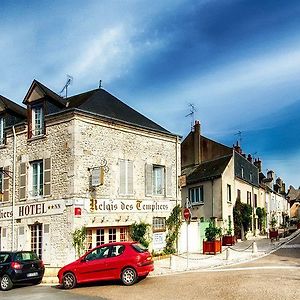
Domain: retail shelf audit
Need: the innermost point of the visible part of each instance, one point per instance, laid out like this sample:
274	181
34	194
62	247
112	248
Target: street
276	276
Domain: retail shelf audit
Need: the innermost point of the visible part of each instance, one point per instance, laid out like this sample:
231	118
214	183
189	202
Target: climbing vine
173	226
262	218
79	236
242	216
139	232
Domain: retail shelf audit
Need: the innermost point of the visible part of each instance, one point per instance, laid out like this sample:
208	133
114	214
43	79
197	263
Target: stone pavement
243	251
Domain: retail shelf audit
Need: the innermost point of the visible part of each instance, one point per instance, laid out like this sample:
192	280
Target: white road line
255	268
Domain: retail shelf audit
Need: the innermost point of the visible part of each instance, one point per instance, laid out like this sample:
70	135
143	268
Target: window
255	200
37	121
98	253
1	131
238	196
37	178
228	193
126	177
123	234
251	177
112	235
242	172
88	240
158	180
117	250
249	198
99	237
196	195
37	239
159	224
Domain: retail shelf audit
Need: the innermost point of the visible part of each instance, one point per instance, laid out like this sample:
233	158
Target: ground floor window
98	236
159	224
36	231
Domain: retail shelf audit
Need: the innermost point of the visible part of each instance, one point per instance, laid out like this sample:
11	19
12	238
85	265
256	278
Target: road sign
187	214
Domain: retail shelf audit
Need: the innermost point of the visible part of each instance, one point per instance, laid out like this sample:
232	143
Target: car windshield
139	248
25	256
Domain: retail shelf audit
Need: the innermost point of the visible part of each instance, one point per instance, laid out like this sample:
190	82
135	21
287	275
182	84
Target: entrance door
37	239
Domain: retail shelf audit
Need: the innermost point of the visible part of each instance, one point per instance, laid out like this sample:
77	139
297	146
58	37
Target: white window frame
36	190
158	180
1	131
159	224
126	177
242	172
37	121
196	195
229	194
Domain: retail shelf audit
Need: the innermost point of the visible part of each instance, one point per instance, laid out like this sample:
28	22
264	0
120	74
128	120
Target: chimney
249	158
257	163
237	147
197	145
270	174
279	182
283	187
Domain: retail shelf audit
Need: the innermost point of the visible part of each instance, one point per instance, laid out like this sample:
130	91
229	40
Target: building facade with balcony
88	160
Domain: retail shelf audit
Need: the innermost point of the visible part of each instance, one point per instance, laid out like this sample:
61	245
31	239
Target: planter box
273	234
212	247
228	240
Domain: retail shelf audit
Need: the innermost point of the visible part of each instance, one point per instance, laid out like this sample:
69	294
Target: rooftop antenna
239	134
100	84
192	113
69	81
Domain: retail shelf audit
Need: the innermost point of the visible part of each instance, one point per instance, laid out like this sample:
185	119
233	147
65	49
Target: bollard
254	247
172	263
228	254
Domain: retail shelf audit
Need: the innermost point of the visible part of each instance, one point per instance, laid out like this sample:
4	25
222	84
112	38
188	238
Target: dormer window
1	131
37	121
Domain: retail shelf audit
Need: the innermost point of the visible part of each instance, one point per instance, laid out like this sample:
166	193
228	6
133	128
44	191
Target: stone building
87	160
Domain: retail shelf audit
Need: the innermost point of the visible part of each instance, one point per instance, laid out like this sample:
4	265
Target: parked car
19	267
127	261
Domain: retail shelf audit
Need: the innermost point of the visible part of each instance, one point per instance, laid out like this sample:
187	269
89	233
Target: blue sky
238	62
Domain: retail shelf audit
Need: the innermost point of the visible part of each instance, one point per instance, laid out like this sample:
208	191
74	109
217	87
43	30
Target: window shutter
29	122
168	182
21	238
130	177
122	177
22	181
46	244
6	184
47	177
149	179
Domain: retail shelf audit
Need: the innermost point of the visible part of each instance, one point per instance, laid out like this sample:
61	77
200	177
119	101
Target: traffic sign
187	214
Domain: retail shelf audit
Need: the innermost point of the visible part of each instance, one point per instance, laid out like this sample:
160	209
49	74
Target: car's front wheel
128	276
6	283
69	281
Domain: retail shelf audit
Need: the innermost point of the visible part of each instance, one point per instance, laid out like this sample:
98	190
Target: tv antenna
100	84
192	113
239	134
69	81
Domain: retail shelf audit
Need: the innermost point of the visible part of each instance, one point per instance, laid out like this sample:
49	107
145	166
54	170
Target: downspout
212	194
14	187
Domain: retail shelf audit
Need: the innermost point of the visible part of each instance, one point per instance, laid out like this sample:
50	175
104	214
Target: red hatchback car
127	261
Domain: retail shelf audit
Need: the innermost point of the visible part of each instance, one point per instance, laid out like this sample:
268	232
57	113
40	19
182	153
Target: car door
116	261
93	266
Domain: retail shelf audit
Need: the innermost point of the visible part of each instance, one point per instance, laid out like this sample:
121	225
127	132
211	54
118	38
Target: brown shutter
6	182
29	121
168	182
47	176
149	179
22	181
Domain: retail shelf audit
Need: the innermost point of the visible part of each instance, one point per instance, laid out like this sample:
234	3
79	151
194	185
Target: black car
20	267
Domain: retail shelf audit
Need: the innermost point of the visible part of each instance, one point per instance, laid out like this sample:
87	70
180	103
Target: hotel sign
28	210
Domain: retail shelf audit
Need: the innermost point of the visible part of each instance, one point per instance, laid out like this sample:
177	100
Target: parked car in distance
20	267
127	261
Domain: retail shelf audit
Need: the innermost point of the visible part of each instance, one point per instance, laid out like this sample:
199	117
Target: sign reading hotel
32	210
132	206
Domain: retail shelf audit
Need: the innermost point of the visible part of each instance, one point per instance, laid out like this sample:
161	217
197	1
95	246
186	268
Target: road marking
254	268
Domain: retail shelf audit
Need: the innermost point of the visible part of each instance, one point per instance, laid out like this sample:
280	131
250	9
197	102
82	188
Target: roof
293	194
8	104
207	170
102	103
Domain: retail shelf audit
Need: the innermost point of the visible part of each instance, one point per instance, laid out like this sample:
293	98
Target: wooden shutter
130	177
47	176
149	179
21	238
29	121
168	182
23	181
46	244
6	183
122	164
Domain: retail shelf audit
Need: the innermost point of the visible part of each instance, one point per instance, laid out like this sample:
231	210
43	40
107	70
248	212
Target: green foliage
79	236
212	232
273	221
262	218
229	229
242	216
173	226
139	233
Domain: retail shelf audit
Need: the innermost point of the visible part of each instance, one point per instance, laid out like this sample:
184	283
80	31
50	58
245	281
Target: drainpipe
14	187
212	194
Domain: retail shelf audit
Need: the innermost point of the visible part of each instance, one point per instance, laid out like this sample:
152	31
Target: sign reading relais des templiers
132	206
27	210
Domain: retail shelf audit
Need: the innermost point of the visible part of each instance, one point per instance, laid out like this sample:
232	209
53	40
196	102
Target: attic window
37	121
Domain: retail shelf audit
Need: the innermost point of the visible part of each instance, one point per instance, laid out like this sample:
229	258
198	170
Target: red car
127	261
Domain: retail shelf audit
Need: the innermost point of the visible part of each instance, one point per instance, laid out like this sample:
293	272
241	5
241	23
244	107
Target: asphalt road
276	276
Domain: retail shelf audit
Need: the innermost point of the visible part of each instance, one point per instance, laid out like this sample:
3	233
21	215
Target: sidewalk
243	251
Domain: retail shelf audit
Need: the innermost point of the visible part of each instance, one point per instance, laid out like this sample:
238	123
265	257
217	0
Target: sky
236	62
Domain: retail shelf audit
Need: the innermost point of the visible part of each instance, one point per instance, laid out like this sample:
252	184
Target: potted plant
273	232
213	234
228	239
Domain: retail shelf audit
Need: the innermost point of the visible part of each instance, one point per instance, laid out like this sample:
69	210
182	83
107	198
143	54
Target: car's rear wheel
6	283
69	281
128	276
